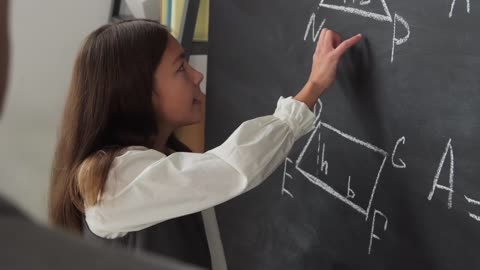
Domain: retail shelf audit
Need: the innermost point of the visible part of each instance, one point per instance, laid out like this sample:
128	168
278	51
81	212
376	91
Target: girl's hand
328	52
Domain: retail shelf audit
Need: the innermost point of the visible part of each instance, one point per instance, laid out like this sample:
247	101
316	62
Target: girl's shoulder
129	163
133	155
130	150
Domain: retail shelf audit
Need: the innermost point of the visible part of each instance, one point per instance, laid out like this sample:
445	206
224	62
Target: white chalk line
387	17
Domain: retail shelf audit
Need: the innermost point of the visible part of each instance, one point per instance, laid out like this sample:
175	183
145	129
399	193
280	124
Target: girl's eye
181	68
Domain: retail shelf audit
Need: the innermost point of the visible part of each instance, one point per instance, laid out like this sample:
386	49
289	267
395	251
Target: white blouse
145	187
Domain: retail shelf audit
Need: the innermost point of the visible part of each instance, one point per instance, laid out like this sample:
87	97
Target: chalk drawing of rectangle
322	184
384	17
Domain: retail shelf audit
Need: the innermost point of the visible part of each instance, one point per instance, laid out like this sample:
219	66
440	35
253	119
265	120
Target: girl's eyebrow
179	57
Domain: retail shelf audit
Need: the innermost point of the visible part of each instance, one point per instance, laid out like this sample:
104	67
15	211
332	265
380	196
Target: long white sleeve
146	187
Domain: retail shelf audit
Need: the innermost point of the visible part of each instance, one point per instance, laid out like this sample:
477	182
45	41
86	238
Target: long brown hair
109	107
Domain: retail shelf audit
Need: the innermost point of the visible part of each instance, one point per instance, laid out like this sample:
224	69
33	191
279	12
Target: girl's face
177	98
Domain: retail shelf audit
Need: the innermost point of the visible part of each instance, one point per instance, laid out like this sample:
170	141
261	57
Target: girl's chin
196	119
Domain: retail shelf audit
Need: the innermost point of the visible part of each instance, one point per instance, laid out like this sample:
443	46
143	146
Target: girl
121	176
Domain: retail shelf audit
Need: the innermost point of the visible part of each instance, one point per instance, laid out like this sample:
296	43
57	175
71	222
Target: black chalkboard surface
389	179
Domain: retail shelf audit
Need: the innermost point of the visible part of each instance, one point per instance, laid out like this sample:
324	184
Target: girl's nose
198	77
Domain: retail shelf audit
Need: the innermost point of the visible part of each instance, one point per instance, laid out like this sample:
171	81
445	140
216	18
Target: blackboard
389	179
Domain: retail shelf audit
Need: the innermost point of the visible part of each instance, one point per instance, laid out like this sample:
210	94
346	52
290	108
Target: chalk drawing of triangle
381	13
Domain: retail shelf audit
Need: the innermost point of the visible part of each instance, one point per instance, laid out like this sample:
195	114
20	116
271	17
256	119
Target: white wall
46	36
